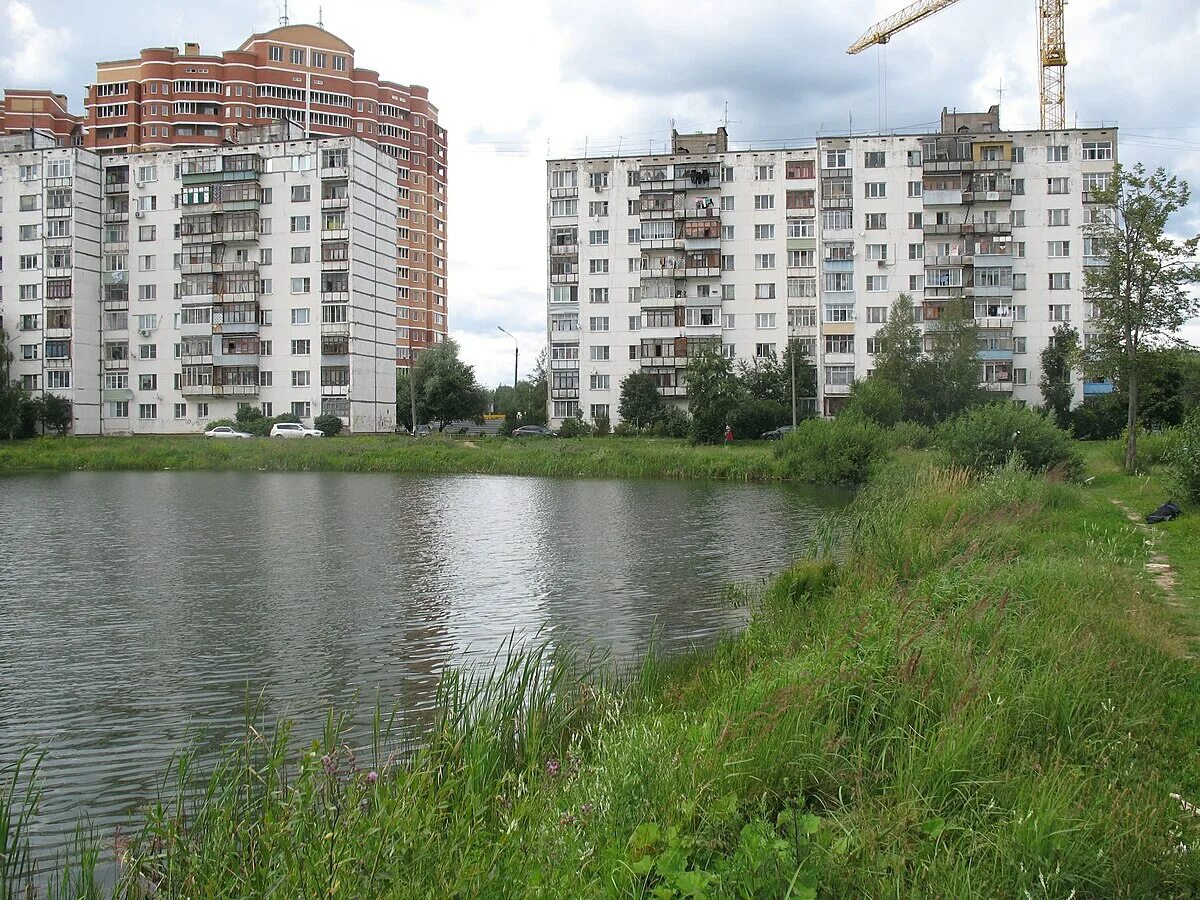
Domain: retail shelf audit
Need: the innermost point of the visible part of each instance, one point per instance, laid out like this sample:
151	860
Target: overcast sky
520	80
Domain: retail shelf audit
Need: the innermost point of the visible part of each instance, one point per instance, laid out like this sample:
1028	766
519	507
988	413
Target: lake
136	609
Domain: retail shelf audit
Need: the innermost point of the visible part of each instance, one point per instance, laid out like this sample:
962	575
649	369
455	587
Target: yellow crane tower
1052	49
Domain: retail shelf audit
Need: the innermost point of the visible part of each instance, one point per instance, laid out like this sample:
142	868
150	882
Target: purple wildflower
552	766
372	776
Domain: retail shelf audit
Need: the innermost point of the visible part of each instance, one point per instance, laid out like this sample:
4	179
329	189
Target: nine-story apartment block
653	257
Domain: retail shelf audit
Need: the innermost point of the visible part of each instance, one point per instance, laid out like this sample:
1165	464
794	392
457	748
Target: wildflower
552	767
566	819
372	776
328	765
586	809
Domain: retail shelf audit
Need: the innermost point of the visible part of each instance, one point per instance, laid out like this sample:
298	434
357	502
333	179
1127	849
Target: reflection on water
134	607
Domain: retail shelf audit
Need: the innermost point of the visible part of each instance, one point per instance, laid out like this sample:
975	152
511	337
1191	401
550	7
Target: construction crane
1052	49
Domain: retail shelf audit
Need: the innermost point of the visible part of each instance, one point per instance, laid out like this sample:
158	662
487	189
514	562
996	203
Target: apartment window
1018	282
1018	218
914	189
1096	181
876	190
839	343
266	378
727	262
598	238
301	347
301	286
1058	249
318	61
1058	185
598	208
1018	187
146	263
1019	313
764	291
802	259
877	252
838	282
297	57
914	157
764	173
302	409
28	291
635	323
1018	154
727	204
635	236
598	266
764	260
147	382
1060	312
339	64
1058	153
147	351
275	54
301	193
147	411
303	254
27	233
916	251
147	203
764	232
30	351
598	323
300	378
1019	344
915	220
728	320
874	159
802	287
727	232
58	379
876	283
763	201
837	159
876	221
300	314
1093	150
598	354
764	351
29	202
1060	281
764	320
598	295
300	223
598	180
727	174
599	382
1058	217
264	348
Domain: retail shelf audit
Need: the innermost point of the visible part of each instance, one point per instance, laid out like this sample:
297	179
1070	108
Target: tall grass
973	699
583	457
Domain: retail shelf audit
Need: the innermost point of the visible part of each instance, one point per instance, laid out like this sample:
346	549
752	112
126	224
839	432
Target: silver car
294	430
224	431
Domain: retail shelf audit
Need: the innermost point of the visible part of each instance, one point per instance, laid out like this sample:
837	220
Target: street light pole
792	359
516	364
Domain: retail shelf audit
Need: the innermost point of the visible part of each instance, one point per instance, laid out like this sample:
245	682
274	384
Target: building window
598	323
318	61
761	232
1058	217
275	54
877	315
764	351
297	57
765	291
727	204
598	266
915	220
764	320
301	347
1060	312
1058	249
300	286
876	221
300	223
837	159
301	193
877	283
598	354
876	190
598	238
874	159
147	351
301	409
1093	150
1058	186
764	260
300	314
1060	281
300	378
1058	153
599	382
598	208
147	411
763	201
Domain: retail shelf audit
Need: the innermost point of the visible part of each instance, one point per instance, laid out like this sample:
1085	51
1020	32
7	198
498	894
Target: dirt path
1158	565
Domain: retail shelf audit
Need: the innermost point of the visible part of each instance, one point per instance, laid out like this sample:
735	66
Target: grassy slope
985	698
579	457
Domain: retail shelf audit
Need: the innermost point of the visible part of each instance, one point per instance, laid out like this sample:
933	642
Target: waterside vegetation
983	694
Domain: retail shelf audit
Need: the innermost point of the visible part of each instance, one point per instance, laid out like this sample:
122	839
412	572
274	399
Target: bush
330	424
1154	448
1185	458
625	429
602	427
986	437
876	401
755	416
1100	418
909	434
838	451
672	422
574	427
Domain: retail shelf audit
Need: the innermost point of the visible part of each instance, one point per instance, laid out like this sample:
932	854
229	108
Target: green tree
899	351
1058	360
445	386
641	404
806	381
404	399
329	424
1140	294
876	400
945	382
713	394
15	403
55	413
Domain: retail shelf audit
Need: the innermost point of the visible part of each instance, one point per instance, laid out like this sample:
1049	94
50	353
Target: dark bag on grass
1164	513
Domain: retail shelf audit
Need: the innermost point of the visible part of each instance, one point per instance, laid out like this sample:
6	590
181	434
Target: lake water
137	608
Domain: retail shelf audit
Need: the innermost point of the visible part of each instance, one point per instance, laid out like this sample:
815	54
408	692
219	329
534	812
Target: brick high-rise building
303	74
40	111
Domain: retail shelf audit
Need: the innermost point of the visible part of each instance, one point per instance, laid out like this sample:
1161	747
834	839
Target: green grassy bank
986	697
587	457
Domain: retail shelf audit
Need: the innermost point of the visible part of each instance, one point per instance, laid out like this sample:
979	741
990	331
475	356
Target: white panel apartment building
49	269
256	274
650	256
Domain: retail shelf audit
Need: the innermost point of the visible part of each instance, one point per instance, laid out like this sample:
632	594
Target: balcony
335	234
993	165
1096	388
987	196
563	193
564	393
703	331
837	265
995	322
335	202
701	243
564	249
192	359
837	203
668	302
967	228
113	216
942	198
1004	387
58	362
564	364
995	355
115	364
335	172
57	212
656	213
335	294
58	333
837	390
335	390
335	329
231	390
647	245
672	390
116	187
564	278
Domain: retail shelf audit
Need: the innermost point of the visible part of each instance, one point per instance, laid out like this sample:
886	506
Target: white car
294	430
224	431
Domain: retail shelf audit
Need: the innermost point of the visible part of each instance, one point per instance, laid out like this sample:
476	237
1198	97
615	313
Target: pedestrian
728	435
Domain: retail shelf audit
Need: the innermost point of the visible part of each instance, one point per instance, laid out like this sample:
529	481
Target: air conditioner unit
144	332
138	214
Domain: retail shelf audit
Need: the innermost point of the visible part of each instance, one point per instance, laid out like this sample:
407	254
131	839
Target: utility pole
516	365
792	360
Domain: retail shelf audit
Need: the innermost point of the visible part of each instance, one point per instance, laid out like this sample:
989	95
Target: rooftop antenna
283	20
320	16
1000	92
725	122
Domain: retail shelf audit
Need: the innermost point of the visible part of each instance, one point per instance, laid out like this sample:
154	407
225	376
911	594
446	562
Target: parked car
224	431
294	430
423	430
533	431
776	434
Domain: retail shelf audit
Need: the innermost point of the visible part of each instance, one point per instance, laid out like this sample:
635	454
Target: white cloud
34	57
